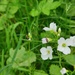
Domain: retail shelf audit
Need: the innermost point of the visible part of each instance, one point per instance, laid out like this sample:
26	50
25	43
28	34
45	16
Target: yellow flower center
48	51
64	45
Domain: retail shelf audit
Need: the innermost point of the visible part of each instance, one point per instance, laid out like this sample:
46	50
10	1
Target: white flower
63	71
72	40
44	40
46	53
51	27
63	46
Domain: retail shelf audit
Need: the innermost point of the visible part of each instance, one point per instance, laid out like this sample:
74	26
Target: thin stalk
2	60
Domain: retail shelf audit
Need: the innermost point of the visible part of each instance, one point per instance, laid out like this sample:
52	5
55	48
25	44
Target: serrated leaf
23	57
28	59
41	4
40	72
54	70
70	59
46	7
13	8
35	12
46	10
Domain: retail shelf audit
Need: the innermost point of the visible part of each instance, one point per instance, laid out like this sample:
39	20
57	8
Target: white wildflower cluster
63	44
52	27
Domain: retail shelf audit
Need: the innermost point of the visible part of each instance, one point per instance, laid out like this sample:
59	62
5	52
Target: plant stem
3	60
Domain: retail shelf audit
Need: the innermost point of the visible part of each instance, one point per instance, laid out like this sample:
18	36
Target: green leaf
29	58
34	12
3	5
13	8
41	4
54	5
54	70
23	57
71	10
40	72
46	7
70	59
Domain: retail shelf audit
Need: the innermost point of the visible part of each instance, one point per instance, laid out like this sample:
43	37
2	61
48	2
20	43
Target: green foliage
3	5
9	9
45	7
49	34
70	59
16	21
35	12
23	57
70	9
40	72
12	8
54	70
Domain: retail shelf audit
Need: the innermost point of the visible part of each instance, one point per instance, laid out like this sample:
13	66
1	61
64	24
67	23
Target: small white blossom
44	40
63	46
51	27
46	53
63	71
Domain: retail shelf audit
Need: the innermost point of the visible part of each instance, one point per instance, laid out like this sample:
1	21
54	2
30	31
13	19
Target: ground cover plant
37	37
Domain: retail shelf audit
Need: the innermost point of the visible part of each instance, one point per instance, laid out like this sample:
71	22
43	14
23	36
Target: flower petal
67	51
44	40
46	29
53	26
61	40
68	42
43	51
60	48
50	56
49	47
44	57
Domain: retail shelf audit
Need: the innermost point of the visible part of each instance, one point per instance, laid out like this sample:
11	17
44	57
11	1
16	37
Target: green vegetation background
20	17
